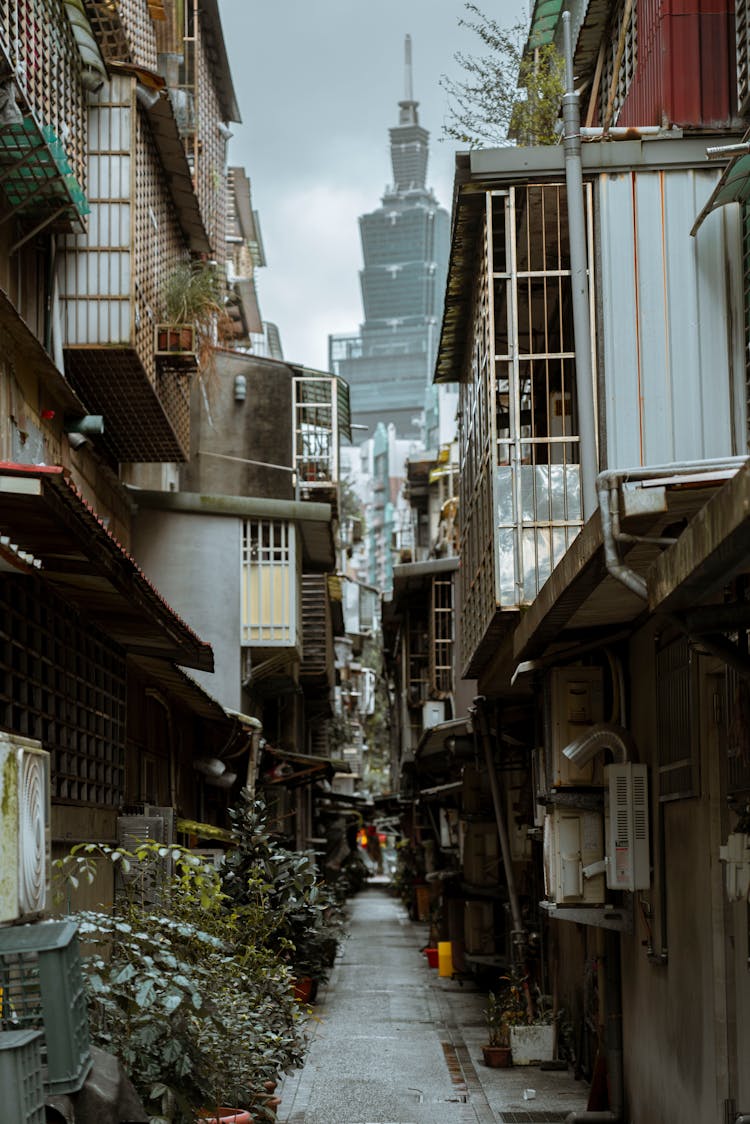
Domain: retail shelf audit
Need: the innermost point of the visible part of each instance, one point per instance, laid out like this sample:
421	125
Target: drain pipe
518	933
579	279
608	486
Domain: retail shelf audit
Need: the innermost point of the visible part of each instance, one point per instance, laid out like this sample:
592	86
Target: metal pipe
603	735
518	934
623	132
579	280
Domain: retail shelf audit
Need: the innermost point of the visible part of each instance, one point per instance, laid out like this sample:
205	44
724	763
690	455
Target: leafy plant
178	989
504	96
193	294
298	914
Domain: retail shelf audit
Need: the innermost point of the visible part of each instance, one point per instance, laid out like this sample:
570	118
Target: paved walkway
392	1043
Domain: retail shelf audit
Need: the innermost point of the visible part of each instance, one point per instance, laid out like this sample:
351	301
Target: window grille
678	745
627	63
270	586
736	734
519	443
61	683
441	639
742	38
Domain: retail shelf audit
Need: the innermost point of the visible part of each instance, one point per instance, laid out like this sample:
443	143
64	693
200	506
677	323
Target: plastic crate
22	1100
42	989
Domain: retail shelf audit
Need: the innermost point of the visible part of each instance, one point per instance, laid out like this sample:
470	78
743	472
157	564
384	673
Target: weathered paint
686	72
671	319
8	832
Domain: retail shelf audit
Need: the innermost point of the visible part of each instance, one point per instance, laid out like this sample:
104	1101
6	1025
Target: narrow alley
394	1043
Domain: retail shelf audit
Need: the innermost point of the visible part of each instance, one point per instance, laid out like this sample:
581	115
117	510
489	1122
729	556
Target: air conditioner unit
24	827
573	842
149	880
433	713
213	856
628	853
575	701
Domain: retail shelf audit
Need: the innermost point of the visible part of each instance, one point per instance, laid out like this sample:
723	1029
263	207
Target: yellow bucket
445	958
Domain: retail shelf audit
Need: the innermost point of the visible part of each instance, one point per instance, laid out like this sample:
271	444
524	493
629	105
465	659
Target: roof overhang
304	768
581	600
44	514
313	519
184	689
217	56
25	352
166	134
713	549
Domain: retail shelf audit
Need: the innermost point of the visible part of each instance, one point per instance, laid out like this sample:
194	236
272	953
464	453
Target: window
270	585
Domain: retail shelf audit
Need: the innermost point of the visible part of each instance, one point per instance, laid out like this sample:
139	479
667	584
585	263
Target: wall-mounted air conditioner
573	844
575	704
628	852
433	713
148	879
24	827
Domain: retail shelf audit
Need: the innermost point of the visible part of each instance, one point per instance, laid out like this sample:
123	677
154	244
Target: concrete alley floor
393	1043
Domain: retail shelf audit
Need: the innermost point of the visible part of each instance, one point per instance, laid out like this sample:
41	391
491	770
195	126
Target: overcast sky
318	84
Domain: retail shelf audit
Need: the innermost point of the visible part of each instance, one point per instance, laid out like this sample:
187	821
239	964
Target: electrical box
479	928
480	854
433	713
573	842
575	704
628	851
24	827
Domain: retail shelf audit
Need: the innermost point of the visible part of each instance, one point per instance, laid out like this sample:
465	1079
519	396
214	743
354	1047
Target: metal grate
270	584
65	686
441	636
742	39
737	734
37	39
677	739
628	61
42	988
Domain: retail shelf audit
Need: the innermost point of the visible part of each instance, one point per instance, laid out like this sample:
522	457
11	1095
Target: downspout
579	280
518	933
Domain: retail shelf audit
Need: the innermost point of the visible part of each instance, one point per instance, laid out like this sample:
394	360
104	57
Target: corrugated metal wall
671	324
686	72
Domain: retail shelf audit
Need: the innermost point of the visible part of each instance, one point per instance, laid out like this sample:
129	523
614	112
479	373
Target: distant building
389	363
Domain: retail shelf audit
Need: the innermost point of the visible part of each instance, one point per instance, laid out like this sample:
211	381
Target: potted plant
496	1053
529	1019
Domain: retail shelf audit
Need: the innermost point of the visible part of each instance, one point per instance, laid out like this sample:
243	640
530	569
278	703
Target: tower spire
408	107
408	84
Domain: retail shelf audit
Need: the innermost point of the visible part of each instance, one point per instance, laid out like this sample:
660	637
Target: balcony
321	420
317	667
112	281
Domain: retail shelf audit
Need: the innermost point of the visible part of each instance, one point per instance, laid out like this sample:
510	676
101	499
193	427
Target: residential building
615	634
389	362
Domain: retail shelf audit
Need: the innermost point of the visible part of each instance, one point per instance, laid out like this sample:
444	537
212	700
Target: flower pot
303	989
226	1116
432	957
497	1057
532	1044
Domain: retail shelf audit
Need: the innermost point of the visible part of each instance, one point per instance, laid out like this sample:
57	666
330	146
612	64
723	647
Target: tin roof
42	511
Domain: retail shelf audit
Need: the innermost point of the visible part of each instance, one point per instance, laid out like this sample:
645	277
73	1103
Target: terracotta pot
497	1057
226	1116
303	989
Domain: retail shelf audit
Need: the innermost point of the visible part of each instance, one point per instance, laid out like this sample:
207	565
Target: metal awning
26	352
184	688
544	20
42	512
166	134
305	767
733	187
433	739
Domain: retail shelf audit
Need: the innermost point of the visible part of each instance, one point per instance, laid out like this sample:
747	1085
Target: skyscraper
389	362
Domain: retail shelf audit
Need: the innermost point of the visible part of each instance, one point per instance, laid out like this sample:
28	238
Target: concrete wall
194	561
259	429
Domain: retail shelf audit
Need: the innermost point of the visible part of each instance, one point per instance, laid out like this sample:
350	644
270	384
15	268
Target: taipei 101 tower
389	363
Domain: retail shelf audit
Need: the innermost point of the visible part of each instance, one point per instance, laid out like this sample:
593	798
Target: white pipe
612	479
623	132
